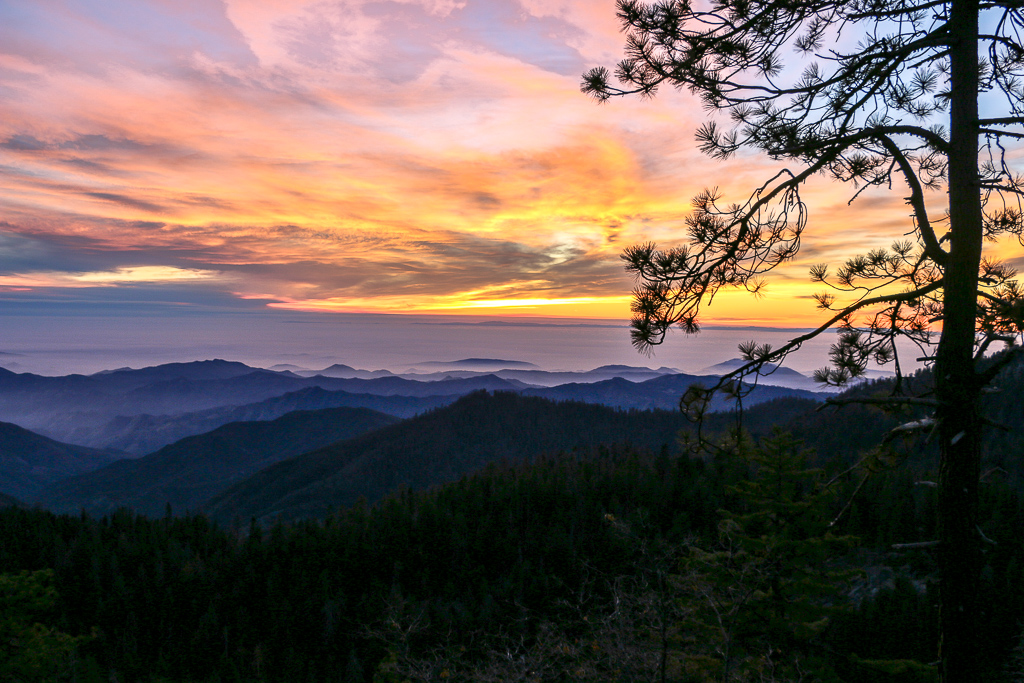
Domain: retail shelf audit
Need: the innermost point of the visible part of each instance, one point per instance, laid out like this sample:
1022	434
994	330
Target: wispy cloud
358	154
113	278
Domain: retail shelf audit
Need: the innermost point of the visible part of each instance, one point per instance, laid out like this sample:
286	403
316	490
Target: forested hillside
30	462
143	434
572	562
435	448
545	557
185	474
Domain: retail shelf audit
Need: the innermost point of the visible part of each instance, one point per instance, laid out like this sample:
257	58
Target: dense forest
772	555
592	563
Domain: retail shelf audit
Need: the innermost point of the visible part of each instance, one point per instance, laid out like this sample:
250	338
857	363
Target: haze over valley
128	414
384	485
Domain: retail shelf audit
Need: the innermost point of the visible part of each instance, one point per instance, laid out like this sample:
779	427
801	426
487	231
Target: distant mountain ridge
141	410
303	464
142	434
659	393
483	363
63	408
145	433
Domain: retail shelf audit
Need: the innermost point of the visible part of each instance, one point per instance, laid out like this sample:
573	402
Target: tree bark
957	388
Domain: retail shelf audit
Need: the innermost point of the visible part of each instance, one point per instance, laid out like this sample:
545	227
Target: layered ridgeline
322	466
189	473
88	410
480	428
141	434
139	411
131	413
185	474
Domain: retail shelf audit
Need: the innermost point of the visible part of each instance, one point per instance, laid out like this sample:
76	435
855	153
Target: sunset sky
414	156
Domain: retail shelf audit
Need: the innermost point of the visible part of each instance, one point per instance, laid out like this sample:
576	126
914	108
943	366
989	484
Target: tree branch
916	546
1008	357
1003	121
1001	133
931	242
846	312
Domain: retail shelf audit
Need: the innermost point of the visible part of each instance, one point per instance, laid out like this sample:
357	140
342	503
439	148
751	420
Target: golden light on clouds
143	274
113	278
425	155
590	307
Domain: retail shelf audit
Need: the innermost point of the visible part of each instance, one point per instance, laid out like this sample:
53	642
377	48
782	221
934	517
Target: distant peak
126	368
489	363
736	363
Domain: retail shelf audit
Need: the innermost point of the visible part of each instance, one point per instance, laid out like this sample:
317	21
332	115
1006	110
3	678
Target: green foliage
765	592
29	649
574	563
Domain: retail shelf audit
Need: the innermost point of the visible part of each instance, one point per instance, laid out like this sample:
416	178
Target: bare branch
916	546
909	428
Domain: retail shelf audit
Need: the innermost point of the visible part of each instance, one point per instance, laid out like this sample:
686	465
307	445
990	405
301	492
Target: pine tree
764	594
901	107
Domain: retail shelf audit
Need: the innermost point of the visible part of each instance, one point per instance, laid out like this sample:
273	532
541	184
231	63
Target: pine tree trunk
957	388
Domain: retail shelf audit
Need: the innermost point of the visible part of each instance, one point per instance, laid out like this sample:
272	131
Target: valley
394	527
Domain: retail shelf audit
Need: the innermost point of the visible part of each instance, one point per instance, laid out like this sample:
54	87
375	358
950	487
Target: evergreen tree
764	593
30	650
901	105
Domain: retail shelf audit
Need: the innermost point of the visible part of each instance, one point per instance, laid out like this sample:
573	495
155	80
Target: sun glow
614	304
339	171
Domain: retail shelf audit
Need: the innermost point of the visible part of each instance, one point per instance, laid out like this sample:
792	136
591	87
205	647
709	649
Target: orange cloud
358	155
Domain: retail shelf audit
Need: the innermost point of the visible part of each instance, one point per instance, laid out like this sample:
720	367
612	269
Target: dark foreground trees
923	95
596	565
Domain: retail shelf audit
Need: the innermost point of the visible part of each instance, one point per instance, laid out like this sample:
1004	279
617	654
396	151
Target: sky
355	156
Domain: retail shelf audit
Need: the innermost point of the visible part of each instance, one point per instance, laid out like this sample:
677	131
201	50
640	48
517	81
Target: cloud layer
401	155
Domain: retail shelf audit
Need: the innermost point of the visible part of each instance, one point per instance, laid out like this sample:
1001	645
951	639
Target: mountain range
286	461
138	411
182	433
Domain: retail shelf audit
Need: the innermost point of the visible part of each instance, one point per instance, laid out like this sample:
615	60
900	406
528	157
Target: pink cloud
353	148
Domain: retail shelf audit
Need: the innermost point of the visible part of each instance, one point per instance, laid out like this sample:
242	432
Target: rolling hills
188	472
138	411
435	448
75	408
30	462
142	434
